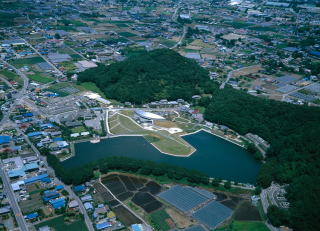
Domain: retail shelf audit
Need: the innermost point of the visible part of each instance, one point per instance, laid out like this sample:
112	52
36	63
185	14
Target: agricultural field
161	220
120	124
27	61
32	204
247	212
11	76
59	224
244	226
139	190
40	78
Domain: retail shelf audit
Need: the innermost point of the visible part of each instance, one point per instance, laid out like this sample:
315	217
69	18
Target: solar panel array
185	198
212	214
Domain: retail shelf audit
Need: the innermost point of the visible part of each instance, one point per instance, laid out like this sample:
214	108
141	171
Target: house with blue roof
58	203
79	188
88	206
31	216
5	139
34	134
59	187
315	53
136	227
28	114
31	167
57	139
49	195
46	125
16	173
35	178
103	225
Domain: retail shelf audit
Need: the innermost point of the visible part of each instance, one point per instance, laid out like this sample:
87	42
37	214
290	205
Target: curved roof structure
148	115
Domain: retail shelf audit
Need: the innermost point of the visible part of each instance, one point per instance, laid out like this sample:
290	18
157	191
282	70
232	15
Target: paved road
59	182
13	200
17	97
230	75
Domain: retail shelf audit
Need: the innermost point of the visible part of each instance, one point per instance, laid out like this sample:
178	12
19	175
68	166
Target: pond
214	156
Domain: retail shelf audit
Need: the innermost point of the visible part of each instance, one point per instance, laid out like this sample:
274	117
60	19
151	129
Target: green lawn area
40	78
245	226
27	61
127	34
78	129
158	220
173	145
59	225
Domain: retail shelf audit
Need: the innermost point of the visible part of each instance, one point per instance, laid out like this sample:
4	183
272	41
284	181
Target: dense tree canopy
155	75
294	157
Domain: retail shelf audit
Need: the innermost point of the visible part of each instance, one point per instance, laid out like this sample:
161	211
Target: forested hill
154	75
294	157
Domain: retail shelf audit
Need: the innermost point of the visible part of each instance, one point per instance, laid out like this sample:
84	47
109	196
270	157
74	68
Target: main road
18	96
59	182
13	200
7	186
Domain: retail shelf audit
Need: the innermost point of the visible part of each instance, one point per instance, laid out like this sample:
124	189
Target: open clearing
247	70
244	226
120	124
58	224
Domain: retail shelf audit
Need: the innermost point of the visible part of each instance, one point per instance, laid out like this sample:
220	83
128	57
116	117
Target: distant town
59	134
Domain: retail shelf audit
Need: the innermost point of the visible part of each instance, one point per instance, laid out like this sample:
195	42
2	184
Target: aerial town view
160	115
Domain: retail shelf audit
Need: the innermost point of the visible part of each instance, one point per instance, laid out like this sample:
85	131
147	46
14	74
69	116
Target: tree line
293	158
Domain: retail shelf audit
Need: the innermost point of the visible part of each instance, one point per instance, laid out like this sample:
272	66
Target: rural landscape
148	115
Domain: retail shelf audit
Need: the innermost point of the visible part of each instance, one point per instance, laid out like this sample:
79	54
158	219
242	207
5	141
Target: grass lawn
158	220
172	146
59	225
27	61
245	226
40	78
78	129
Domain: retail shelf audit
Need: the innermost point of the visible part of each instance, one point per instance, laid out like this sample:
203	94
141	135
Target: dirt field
180	220
248	70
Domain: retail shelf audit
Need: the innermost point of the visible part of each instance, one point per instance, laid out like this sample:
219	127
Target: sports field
121	124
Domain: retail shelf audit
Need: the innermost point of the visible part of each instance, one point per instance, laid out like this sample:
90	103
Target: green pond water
214	156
